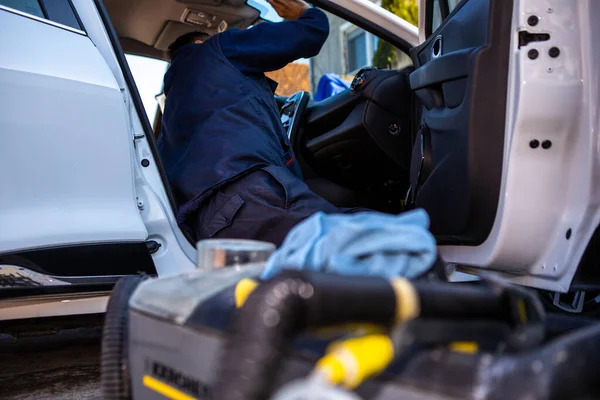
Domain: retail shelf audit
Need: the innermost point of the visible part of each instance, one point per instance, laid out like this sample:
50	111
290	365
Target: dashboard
359	139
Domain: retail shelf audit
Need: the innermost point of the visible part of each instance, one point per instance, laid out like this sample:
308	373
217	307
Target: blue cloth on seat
368	243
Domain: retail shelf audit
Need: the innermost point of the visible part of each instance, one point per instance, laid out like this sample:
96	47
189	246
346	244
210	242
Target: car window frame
360	21
345	32
158	111
39	4
350	31
59	11
445	12
46	20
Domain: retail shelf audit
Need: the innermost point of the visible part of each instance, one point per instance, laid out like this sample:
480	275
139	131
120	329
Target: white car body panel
99	194
176	254
65	159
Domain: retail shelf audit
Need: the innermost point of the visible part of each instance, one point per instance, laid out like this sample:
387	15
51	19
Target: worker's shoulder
314	11
314	14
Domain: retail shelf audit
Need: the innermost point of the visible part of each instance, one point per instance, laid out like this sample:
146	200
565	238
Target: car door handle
451	66
427	80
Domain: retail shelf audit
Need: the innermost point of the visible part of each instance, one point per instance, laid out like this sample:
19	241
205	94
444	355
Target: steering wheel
292	113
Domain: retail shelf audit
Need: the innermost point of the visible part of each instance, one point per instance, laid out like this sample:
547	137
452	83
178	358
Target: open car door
461	80
504	159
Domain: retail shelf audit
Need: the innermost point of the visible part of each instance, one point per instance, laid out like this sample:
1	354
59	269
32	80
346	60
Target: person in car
226	153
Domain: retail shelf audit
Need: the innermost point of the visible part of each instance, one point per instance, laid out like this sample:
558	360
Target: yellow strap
464	347
164	389
522	309
243	289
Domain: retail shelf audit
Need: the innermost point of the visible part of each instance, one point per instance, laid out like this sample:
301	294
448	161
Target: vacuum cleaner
227	335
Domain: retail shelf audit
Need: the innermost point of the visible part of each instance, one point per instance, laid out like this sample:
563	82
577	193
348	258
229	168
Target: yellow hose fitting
350	362
243	289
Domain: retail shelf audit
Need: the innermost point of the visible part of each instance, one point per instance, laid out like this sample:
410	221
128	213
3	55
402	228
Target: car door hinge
136	137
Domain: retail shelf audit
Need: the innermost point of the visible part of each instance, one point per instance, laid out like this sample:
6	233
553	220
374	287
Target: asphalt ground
64	365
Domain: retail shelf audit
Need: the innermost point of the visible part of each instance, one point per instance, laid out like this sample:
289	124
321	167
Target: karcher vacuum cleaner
226	335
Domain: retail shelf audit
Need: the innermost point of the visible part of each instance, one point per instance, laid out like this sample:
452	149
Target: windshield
266	11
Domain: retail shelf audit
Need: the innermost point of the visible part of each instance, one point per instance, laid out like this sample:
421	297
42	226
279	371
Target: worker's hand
289	9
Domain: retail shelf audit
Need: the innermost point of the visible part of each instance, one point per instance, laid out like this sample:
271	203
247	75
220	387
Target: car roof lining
148	27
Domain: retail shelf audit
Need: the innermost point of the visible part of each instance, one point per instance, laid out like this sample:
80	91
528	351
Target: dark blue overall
227	156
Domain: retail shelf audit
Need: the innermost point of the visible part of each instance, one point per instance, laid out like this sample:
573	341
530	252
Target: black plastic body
86	260
81	267
362	139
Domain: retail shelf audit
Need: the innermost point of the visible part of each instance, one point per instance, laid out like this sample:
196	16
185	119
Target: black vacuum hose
284	306
295	301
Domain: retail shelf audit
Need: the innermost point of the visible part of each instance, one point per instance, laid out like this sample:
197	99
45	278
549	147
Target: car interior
396	139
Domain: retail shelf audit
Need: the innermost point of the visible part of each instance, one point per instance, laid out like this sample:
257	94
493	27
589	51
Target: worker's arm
270	46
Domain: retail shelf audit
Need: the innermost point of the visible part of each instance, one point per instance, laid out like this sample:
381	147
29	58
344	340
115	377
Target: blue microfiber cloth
368	243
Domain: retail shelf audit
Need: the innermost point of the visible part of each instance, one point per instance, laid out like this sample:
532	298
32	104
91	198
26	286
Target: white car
503	121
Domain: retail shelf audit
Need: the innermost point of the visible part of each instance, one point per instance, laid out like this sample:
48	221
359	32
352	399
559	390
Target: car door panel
66	154
461	81
466	26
